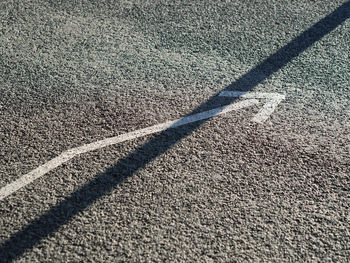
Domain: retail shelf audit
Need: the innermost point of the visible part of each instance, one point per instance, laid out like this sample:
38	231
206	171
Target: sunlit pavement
225	187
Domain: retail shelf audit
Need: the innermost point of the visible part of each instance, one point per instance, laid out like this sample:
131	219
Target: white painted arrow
273	100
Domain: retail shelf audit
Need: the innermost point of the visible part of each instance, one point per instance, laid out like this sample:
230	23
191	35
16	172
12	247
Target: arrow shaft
69	154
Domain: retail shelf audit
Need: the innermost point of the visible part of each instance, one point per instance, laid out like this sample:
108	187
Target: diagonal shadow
104	183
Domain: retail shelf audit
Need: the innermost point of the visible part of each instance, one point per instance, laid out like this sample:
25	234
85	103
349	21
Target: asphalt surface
221	190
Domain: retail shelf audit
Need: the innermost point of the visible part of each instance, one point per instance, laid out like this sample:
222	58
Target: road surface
222	188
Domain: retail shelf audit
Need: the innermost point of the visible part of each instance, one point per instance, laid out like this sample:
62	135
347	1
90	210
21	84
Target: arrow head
273	99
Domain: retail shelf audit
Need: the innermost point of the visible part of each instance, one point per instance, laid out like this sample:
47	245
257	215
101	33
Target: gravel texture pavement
220	190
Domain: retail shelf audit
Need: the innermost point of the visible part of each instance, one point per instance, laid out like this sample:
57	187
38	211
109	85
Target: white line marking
69	154
273	100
